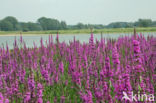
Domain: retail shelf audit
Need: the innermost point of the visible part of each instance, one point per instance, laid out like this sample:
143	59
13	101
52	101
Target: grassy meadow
81	31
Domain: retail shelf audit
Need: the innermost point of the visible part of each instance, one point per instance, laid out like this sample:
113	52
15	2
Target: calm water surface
29	40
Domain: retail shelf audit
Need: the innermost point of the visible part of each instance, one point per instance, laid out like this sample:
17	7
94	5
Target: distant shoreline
81	31
22	34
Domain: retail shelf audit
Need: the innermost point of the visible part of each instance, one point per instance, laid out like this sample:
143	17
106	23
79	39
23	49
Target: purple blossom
31	83
116	61
27	97
61	68
96	71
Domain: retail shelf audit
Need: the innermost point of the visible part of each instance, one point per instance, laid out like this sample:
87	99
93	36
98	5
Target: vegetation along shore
81	31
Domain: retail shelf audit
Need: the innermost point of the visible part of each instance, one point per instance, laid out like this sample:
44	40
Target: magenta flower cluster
74	72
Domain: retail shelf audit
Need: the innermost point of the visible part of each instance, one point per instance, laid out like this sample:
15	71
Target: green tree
63	25
154	23
120	25
6	25
49	24
43	22
30	26
80	26
34	26
143	23
13	21
24	26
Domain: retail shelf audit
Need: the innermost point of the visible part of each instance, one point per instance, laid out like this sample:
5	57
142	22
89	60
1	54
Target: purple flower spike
61	68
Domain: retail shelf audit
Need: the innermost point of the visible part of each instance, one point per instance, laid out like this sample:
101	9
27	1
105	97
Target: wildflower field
74	72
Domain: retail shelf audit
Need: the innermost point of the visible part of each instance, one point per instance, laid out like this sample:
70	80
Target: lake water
29	40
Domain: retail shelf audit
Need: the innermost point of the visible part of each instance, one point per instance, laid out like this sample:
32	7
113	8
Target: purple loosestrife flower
39	90
39	100
39	93
91	45
91	40
76	77
1	81
136	46
90	70
108	67
6	101
119	88
3	99
88	80
98	94
45	75
43	60
87	98
27	69
138	61
35	64
9	91
27	97
21	74
101	60
127	87
102	74
116	61
138	66
110	100
29	59
84	97
86	61
126	77
61	68
14	87
31	83
102	44
48	66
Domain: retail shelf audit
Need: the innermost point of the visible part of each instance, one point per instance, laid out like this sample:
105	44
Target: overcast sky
74	11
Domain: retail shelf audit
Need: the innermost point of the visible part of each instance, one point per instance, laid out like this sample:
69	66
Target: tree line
12	24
